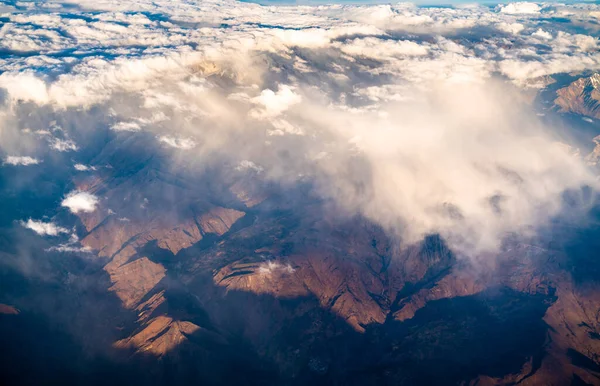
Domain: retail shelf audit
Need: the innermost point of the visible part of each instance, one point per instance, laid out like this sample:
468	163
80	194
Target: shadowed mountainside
219	277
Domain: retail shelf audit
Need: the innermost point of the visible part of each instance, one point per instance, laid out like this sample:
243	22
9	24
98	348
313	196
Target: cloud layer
416	118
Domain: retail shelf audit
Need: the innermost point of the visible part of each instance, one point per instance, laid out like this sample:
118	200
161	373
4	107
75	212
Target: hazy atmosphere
222	191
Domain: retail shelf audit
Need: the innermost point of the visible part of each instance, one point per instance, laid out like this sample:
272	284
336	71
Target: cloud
441	164
520	8
249	165
69	248
177	142
283	127
383	49
542	34
512	28
272	267
271	103
21	160
78	201
83	168
126	126
63	145
410	116
44	228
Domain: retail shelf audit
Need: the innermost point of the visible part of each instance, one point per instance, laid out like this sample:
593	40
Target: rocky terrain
8	310
581	97
352	193
306	292
223	278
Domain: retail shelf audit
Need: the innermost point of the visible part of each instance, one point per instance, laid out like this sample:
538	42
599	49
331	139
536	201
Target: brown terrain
279	273
243	282
581	97
8	310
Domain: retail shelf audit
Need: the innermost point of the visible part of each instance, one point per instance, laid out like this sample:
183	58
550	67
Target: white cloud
271	267
282	127
78	201
540	33
272	104
69	248
249	165
126	126
177	142
394	112
25	86
44	228
21	160
83	168
383	49
63	145
513	28
520	8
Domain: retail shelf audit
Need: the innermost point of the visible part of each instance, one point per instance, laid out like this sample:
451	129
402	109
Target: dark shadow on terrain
577	381
580	360
65	332
262	340
582	251
449	340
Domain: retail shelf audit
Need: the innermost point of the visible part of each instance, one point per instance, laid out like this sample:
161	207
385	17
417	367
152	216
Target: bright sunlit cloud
414	117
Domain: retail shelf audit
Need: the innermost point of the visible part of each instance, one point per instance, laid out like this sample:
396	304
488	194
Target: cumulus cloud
513	28
44	228
272	104
410	116
520	8
78	201
21	160
540	33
